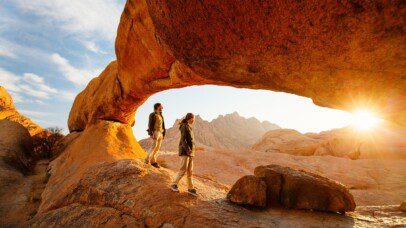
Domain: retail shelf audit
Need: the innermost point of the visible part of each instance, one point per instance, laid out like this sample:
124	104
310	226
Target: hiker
156	131
186	152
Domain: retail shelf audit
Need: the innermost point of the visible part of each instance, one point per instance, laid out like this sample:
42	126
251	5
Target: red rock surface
304	190
249	190
275	185
341	54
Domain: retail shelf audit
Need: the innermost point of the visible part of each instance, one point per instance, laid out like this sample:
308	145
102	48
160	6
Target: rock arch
342	54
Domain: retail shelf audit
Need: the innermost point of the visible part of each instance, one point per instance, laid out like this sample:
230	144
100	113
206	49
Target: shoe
156	165
175	188
192	192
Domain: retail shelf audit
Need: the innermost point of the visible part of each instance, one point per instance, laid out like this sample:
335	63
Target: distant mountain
231	131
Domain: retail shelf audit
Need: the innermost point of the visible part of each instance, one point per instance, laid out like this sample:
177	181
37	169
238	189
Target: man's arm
151	124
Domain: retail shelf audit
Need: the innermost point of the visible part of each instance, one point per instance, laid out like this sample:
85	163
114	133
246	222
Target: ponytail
186	118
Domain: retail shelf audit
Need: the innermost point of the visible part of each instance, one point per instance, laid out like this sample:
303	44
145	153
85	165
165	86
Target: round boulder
248	190
16	146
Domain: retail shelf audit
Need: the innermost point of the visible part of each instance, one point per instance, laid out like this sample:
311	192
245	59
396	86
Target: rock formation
15	161
383	141
249	190
292	189
16	146
8	111
230	131
287	141
342	54
402	206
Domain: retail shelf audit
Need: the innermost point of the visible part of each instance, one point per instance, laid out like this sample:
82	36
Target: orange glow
364	120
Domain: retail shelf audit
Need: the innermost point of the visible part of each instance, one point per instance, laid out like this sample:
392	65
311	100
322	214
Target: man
156	131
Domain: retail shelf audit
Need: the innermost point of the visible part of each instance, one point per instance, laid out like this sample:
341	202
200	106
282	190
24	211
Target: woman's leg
190	173
183	169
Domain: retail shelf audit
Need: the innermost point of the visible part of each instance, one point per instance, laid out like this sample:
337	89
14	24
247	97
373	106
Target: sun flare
364	120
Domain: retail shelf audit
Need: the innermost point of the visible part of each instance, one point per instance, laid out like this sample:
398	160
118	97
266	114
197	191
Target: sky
51	49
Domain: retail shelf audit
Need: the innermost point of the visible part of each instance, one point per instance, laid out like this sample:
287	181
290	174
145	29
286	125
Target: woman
186	152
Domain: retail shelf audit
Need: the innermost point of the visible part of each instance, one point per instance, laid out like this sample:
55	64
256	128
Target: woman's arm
189	139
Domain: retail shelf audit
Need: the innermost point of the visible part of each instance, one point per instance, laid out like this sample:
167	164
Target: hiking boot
175	188
156	165
192	192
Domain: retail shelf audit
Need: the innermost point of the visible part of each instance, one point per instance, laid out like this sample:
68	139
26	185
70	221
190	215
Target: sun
364	120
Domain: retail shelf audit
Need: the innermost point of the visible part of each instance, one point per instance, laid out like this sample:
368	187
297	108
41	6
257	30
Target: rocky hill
385	140
225	132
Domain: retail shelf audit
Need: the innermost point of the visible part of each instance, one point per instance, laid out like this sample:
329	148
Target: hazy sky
50	49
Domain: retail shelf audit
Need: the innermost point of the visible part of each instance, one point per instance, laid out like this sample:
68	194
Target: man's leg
190	173
154	142
182	170
158	143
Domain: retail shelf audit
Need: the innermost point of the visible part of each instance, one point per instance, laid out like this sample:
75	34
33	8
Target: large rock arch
342	54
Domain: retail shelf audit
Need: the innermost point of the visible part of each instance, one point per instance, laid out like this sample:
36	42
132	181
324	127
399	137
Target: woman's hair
187	118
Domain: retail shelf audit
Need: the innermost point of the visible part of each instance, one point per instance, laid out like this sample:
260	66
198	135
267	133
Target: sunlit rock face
8	112
342	54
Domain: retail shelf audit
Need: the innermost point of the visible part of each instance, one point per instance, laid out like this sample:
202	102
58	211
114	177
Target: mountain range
230	131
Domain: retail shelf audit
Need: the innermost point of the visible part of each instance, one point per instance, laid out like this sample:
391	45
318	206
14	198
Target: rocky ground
373	182
128	192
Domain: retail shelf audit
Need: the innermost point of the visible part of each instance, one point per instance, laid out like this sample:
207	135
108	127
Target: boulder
6	102
303	190
15	161
248	190
340	147
287	141
16	145
402	206
8	112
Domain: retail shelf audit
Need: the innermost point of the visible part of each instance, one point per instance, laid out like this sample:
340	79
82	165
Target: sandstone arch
342	54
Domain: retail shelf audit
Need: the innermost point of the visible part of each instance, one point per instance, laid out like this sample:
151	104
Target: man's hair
156	106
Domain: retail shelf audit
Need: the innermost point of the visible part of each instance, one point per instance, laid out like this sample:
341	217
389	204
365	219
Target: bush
45	141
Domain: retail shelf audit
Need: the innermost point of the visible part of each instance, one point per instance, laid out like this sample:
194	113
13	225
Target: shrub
45	141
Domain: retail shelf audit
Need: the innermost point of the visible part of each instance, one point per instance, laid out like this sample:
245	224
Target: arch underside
342	54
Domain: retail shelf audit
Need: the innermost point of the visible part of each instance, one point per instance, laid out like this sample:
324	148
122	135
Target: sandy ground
373	182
